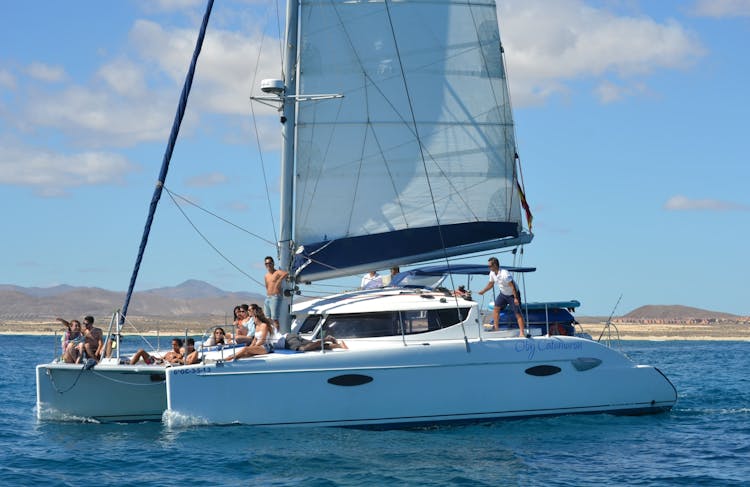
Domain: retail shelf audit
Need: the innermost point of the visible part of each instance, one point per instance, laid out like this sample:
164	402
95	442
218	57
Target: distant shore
623	331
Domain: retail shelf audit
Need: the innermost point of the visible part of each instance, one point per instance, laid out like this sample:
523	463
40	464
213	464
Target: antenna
608	324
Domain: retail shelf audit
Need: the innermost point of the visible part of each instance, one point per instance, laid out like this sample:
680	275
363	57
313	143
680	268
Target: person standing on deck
274	278
371	280
508	294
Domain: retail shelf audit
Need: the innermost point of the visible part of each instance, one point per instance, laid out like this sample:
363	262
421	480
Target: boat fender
90	363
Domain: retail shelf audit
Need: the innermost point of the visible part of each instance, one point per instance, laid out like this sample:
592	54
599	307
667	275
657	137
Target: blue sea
705	440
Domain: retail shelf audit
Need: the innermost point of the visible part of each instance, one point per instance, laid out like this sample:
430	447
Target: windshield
405	279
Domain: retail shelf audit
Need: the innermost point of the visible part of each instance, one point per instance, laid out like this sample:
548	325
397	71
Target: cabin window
366	325
362	325
309	324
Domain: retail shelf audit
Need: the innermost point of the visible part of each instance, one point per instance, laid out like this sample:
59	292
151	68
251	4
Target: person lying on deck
174	356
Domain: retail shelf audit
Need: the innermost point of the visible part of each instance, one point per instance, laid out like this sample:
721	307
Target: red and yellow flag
525	205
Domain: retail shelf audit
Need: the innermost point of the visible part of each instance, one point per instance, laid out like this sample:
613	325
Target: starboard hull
106	393
427	383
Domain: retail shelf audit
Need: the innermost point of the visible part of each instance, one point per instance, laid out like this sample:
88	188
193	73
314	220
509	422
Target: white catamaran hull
420	383
106	393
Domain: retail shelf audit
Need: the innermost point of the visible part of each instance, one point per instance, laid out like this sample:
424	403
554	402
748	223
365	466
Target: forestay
419	154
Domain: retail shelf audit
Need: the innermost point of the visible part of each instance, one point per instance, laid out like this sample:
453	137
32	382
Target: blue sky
631	121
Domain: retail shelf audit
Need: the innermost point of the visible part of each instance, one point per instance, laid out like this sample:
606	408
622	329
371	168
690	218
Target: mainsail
417	160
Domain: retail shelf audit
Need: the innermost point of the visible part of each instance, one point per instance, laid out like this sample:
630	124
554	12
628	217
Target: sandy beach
672	331
625	331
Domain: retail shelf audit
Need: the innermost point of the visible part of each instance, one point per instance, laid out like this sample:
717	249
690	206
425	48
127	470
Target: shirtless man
274	278
92	340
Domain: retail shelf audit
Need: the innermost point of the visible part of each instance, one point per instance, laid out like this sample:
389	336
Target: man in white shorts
508	294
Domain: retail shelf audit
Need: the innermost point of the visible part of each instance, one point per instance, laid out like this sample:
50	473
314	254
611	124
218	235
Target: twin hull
106	393
419	383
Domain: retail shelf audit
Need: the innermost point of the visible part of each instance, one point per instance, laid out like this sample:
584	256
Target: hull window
543	370
350	380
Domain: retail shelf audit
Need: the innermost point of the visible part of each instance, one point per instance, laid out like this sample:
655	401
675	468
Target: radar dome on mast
273	86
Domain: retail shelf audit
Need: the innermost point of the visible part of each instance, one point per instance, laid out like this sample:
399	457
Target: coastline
622	331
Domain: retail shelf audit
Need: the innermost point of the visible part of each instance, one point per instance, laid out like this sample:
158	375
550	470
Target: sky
631	120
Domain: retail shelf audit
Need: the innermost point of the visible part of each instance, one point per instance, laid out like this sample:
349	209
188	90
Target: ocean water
704	440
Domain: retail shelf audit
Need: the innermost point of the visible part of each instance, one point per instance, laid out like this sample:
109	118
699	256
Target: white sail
419	154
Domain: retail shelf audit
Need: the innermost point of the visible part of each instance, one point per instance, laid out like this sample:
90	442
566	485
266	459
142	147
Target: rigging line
407	124
411	126
421	152
263	170
212	245
323	159
361	159
513	125
509	203
54	384
281	36
390	174
257	132
181	107
238	227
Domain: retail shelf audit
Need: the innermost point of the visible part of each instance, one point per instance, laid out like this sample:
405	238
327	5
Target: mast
285	244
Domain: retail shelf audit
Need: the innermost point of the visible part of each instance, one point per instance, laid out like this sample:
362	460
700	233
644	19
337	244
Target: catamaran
399	148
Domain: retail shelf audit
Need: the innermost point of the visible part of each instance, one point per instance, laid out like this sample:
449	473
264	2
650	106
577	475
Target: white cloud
609	92
101	117
170	5
47	73
225	70
682	203
133	97
206	180
722	8
550	43
125	77
52	174
7	80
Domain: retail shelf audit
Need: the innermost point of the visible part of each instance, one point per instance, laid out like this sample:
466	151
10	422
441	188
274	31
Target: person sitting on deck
174	356
218	337
264	338
70	340
267	339
244	324
92	341
190	354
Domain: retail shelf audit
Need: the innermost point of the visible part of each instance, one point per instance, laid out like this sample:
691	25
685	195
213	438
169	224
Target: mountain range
199	300
193	299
